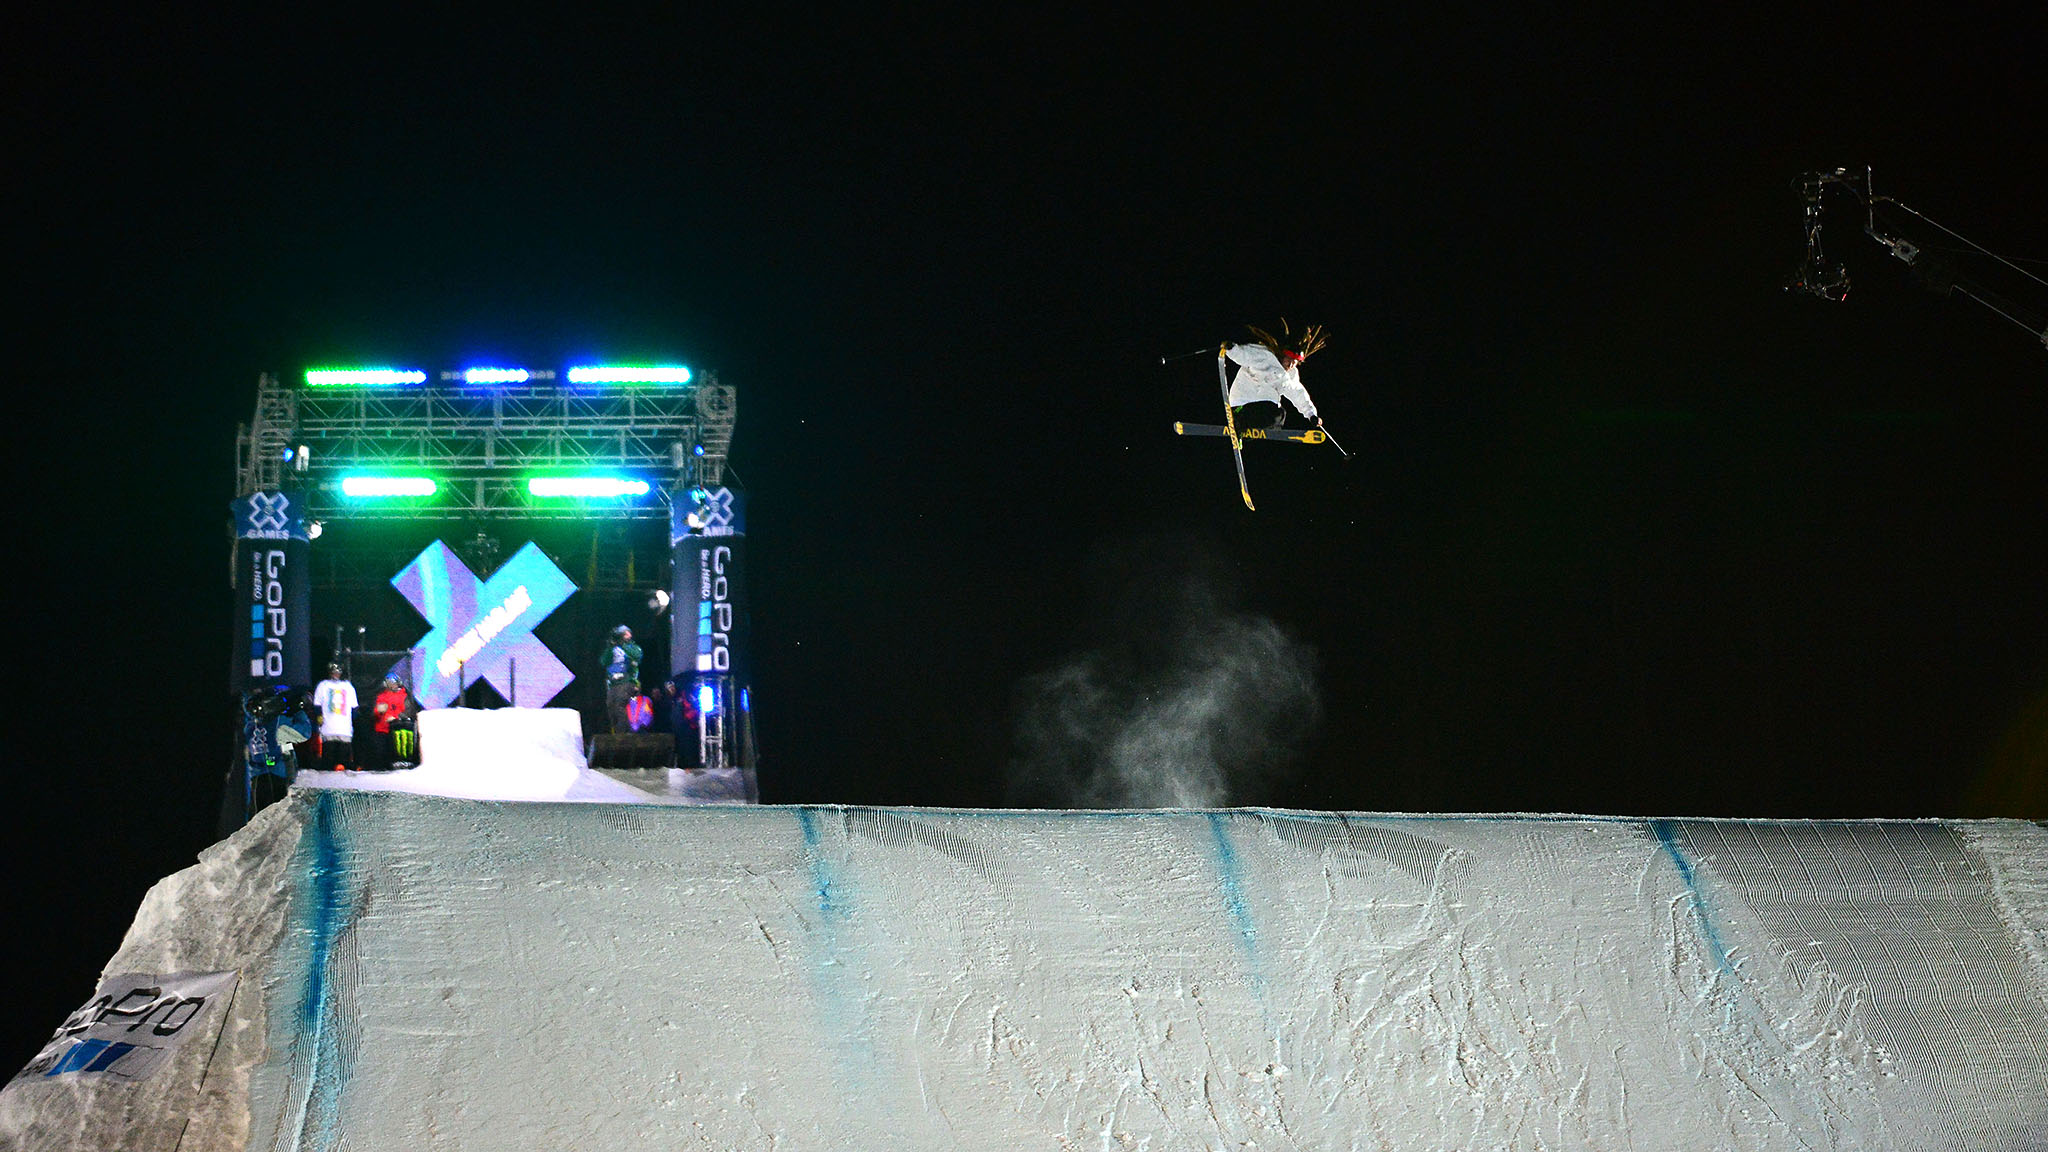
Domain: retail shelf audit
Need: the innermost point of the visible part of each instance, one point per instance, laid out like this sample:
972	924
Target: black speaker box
633	750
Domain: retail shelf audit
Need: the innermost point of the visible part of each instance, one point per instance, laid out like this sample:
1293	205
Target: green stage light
601	486
362	377
388	486
624	374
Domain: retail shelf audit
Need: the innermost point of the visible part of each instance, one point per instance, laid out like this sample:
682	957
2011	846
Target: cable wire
1965	239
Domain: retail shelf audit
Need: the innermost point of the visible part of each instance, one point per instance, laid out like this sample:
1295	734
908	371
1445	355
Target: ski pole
1332	440
1184	355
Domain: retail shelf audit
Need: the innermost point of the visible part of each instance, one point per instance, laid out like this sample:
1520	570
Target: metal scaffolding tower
264	444
481	443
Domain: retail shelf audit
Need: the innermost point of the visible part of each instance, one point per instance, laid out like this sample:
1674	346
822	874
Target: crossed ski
1238	436
1296	435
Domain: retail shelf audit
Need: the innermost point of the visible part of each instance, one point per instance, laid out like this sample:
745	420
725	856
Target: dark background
1628	529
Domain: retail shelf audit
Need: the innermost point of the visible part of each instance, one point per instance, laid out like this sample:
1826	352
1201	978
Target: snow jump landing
427	973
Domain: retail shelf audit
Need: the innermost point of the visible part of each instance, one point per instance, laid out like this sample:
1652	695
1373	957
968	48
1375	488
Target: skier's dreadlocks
1288	345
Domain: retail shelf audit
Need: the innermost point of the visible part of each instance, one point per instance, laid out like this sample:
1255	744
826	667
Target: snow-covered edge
2015	855
221	914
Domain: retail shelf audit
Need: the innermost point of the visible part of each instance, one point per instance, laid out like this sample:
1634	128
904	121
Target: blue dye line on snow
327	1068
845	1022
1667	835
821	872
1230	883
1230	879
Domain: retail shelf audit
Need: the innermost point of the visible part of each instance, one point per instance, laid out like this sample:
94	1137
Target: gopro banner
707	540
131	1024
274	613
483	629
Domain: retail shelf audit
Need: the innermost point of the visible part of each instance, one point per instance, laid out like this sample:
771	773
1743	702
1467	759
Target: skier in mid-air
1267	372
1270	371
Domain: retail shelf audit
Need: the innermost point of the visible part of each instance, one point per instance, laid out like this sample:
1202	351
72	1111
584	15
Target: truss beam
481	444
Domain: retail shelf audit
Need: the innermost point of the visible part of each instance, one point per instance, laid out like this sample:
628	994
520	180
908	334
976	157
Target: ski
1230	430
1295	435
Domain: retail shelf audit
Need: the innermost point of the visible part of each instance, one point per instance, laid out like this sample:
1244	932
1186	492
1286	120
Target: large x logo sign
268	511
483	629
716	510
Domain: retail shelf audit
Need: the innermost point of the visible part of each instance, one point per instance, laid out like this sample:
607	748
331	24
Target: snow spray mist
1179	700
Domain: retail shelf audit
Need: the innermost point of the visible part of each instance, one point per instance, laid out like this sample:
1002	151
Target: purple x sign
483	629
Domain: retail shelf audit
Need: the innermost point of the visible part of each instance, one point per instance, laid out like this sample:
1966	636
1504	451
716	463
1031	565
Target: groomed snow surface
431	973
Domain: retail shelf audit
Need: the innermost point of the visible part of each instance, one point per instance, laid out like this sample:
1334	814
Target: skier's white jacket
336	700
1261	376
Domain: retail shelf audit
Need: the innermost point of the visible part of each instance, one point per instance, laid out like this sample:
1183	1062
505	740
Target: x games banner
273	589
707	538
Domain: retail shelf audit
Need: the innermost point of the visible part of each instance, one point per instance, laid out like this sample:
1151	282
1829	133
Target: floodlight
362	377
599	486
629	374
388	486
495	375
707	700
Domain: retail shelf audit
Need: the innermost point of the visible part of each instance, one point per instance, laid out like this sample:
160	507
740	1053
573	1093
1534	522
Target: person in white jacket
335	698
1269	371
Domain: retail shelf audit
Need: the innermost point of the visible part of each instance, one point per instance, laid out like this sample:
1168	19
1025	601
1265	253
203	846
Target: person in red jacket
394	705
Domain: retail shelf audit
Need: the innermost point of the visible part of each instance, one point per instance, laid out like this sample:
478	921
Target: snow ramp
421	973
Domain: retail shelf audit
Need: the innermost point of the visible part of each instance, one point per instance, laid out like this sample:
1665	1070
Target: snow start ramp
425	973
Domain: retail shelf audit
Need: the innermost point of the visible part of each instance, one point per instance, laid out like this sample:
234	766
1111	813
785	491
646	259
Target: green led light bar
388	486
600	486
624	374
362	377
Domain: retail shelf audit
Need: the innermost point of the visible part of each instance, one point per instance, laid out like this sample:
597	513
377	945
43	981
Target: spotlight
629	374
362	377
494	375
658	603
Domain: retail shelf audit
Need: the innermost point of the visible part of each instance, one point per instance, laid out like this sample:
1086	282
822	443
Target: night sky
1627	529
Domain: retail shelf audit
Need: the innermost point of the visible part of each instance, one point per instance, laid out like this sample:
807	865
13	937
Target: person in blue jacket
621	677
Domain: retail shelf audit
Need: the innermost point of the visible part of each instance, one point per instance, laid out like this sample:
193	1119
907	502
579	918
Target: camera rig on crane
1936	262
